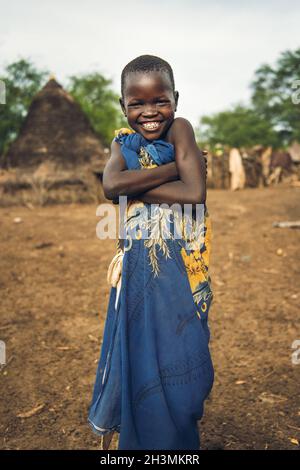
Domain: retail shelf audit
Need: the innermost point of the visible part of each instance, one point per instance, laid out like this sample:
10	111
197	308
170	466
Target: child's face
149	103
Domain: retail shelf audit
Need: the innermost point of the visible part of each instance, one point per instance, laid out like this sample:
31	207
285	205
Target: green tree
239	127
97	99
272	90
272	118
22	81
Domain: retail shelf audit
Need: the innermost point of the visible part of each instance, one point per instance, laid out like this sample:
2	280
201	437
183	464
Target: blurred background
237	70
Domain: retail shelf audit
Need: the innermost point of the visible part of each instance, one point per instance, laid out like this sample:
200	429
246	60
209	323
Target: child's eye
134	105
162	103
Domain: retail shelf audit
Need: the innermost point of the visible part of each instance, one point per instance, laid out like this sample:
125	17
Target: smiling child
155	369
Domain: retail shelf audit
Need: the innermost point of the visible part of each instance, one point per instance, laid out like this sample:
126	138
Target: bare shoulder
182	123
181	129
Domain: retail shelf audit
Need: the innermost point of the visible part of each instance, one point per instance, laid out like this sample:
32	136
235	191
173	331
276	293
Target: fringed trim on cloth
114	273
115	269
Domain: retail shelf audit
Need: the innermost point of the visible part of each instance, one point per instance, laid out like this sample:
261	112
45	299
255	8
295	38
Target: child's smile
149	103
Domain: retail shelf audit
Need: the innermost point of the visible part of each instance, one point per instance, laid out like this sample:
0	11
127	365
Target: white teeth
150	125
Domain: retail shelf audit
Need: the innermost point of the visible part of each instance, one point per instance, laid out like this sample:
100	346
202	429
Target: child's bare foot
106	440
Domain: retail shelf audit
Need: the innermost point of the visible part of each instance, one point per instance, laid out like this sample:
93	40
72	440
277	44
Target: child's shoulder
180	126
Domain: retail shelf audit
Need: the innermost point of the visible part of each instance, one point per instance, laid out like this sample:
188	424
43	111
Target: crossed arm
182	181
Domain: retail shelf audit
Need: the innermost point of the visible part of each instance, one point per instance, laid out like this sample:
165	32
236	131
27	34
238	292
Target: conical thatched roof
57	130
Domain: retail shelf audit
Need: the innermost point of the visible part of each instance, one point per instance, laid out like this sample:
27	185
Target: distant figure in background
238	177
280	165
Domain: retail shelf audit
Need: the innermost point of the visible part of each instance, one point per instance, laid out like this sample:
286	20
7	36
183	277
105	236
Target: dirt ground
53	304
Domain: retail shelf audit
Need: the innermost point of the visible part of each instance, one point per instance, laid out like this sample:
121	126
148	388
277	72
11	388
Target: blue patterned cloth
155	369
160	151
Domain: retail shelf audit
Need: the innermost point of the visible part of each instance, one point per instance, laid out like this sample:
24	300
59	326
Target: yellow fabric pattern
123	130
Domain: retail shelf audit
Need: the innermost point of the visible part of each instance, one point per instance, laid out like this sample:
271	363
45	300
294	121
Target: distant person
280	164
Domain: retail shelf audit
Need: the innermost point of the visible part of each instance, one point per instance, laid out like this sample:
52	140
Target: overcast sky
213	46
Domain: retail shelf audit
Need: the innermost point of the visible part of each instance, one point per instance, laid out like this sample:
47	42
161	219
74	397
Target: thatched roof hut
57	154
55	129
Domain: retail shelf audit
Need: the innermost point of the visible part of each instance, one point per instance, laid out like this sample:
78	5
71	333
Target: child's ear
122	105
176	94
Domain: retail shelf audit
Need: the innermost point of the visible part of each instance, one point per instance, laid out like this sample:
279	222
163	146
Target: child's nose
149	109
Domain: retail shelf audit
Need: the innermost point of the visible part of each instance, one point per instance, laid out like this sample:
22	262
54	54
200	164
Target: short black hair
147	63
